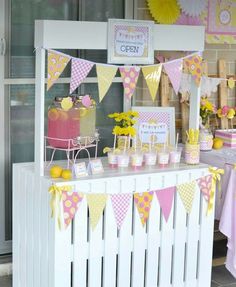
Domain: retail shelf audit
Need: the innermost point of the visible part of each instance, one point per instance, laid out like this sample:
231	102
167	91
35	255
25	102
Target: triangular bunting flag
56	65
205	184
70	202
120	203
165	197
186	192
174	72
79	71
209	85
143	202
129	77
105	74
96	205
152	76
194	65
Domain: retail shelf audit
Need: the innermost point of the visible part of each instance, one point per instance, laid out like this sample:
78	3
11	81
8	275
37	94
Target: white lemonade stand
175	253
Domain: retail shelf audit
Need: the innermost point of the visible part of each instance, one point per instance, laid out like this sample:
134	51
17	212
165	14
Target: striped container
228	137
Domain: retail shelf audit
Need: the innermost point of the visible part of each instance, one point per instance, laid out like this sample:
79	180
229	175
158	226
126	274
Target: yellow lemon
53	114
66	174
55	171
217	143
106	149
83	112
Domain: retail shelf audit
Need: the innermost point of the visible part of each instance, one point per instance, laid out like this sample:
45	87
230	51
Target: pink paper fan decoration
188	20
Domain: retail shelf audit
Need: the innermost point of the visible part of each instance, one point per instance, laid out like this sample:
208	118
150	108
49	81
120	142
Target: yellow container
192	153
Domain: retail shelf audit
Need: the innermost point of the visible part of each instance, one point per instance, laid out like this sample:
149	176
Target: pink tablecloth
226	205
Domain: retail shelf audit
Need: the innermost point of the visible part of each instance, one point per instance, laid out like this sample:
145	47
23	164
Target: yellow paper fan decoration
164	11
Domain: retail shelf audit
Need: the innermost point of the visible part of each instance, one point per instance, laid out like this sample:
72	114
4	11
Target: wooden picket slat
223	93
164	90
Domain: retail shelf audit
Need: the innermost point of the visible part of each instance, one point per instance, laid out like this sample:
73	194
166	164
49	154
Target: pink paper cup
112	160
136	161
123	160
150	158
163	158
175	156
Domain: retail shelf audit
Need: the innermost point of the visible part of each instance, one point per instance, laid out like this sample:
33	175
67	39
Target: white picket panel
125	238
173	254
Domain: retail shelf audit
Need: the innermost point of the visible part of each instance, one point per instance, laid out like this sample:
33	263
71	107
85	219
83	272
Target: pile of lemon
57	171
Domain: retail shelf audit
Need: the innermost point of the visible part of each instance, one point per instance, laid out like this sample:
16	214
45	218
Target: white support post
195	99
39	111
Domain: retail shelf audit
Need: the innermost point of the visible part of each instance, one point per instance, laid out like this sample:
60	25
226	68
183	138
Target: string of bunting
69	202
181	82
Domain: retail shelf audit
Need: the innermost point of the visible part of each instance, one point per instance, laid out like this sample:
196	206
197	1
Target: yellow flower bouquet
124	123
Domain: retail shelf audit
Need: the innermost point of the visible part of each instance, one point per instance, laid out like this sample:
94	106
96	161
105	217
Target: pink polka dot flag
120	203
129	77
70	202
174	72
143	203
79	71
205	184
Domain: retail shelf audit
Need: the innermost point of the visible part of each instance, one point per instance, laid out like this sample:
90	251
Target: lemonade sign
153	132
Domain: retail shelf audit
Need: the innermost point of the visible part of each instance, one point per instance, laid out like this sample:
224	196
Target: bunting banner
56	65
120	203
143	203
209	85
79	71
70	202
105	74
129	77
96	204
165	197
186	192
152	76
194	65
204	185
174	72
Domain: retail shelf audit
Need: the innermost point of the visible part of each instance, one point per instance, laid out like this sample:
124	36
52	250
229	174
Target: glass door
17	83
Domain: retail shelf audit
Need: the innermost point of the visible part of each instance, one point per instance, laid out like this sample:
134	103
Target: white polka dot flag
105	74
70	203
79	71
165	197
96	204
186	192
120	203
152	76
56	65
129	77
174	72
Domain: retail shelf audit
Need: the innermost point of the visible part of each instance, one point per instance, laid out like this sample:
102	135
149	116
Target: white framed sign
130	42
155	124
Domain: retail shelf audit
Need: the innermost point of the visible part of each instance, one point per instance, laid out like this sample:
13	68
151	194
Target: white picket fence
177	253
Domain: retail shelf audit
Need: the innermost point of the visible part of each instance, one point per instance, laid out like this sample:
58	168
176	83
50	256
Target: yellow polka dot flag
70	202
105	75
152	76
96	205
143	203
194	66
186	192
56	65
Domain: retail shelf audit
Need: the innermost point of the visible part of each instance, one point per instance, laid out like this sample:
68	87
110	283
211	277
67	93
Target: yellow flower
219	113
231	114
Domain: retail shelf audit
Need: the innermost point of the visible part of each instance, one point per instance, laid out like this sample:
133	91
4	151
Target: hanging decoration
79	71
120	203
64	203
56	65
129	77
188	20
143	203
164	11
96	204
193	7
70	202
180	81
174	72
165	197
105	74
152	76
186	192
194	65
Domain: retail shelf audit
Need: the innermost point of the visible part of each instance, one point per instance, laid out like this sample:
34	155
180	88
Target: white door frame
5	246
